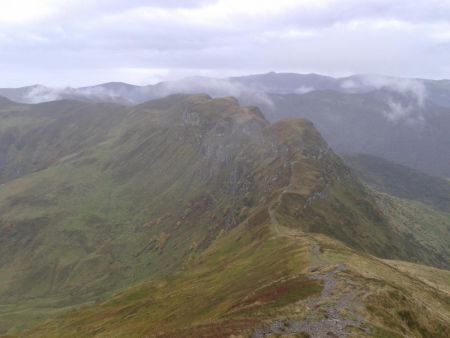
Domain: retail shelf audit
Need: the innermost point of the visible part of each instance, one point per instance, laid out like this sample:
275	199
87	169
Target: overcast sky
83	42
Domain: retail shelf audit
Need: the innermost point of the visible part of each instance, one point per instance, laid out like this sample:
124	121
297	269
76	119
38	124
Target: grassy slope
32	137
137	205
401	181
419	223
259	274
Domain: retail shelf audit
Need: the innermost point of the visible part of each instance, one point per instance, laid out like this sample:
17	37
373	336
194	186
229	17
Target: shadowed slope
401	181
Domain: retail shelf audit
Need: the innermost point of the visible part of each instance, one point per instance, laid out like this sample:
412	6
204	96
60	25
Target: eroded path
336	309
332	313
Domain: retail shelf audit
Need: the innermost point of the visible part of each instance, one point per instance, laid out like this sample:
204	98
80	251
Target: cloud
405	98
99	93
349	84
74	42
38	94
303	90
26	11
124	94
404	113
409	87
408	106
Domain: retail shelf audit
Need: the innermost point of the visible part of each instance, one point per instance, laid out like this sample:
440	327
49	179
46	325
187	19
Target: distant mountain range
401	120
435	91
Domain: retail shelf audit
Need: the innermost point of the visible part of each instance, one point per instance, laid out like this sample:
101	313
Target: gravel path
334	323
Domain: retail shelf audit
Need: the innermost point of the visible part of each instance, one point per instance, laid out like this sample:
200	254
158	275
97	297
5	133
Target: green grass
244	277
75	231
253	276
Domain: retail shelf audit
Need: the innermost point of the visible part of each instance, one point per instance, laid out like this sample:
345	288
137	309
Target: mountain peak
299	132
201	110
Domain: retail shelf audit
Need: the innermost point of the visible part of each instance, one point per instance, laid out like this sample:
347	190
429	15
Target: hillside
401	181
379	123
32	137
262	280
190	183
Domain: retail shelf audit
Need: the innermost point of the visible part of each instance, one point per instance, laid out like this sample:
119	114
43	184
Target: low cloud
405	98
123	93
406	113
408	87
304	90
38	94
349	84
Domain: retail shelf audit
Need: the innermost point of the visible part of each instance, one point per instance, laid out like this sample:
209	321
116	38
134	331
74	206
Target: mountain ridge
399	119
153	190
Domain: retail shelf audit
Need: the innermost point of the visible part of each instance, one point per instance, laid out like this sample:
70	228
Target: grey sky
83	42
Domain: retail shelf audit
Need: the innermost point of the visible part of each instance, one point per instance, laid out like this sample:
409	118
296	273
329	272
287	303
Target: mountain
398	119
34	136
255	86
190	197
379	123
23	94
287	82
401	181
108	92
252	86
